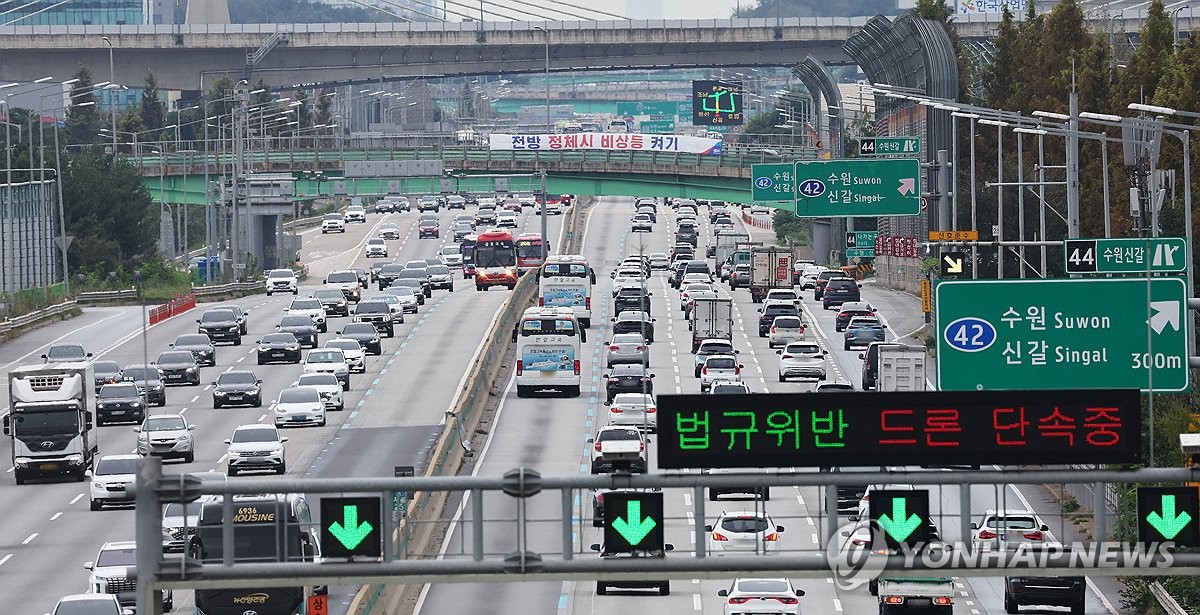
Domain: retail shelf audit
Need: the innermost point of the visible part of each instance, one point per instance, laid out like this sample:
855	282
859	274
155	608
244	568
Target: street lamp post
112	105
546	42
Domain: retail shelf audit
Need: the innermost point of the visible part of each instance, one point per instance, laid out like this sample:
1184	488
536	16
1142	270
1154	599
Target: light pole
549	127
112	105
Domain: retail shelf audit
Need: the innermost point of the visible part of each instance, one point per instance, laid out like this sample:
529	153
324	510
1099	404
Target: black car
378	314
383	207
376	267
387	274
767	316
200	346
179	367
220	326
1049	591
300	326
238	312
455	201
106	372
364	276
149	382
280	347
844	315
677	271
823	279
840	290
365	334
428	228
687	233
627	378
485	216
849	495
412	273
333	300
237	388
119	403
417	285
635	322
631	298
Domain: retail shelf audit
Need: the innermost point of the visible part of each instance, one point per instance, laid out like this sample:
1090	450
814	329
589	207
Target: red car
428	228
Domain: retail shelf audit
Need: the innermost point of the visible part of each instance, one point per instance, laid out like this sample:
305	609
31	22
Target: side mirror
846	533
259	381
604	375
862	355
590	440
778	528
708	528
44	356
668	547
197	320
1045	528
723	593
137	430
595	547
781	352
226	441
89	565
799	592
89	354
87	473
974	526
258	342
740	352
283	439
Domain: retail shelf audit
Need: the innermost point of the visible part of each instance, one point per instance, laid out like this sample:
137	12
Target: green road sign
633	521
861	239
860	252
1169	514
1115	333
350	527
772	182
858	187
656	126
886	146
1133	255
903	515
656	107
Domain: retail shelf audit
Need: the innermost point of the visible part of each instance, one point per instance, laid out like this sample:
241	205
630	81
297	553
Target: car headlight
278	451
97	485
233	453
191	370
220	393
157	387
76	458
293	347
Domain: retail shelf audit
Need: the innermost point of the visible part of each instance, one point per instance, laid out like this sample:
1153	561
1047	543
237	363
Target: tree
152	104
129	122
324	114
108	210
83	119
1064	40
1145	69
1001	77
304	113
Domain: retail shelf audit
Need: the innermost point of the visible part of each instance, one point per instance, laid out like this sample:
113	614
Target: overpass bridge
185	57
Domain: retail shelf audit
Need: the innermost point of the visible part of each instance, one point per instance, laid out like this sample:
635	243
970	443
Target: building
76	13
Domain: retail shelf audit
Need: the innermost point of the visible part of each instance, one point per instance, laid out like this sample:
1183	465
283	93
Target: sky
678	9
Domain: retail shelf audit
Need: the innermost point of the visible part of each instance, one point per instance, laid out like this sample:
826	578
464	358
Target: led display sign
717	103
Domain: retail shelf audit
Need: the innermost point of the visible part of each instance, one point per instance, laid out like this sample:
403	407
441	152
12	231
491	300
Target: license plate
277	354
48	466
117	412
297	419
235	397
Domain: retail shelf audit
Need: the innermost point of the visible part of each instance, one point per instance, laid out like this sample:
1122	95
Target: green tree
304	112
152	104
129	122
84	120
324	112
108	210
1001	77
262	93
1150	60
1064	40
1029	42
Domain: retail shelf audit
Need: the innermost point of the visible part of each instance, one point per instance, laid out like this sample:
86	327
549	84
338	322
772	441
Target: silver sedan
628	348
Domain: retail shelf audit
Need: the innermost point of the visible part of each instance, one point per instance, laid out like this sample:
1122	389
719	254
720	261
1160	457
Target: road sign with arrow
633	521
351	527
953	263
858	187
1169	514
903	515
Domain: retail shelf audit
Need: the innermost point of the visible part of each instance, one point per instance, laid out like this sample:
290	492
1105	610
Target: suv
149	381
282	281
256	447
66	353
328	386
1050	591
428	228
329	361
199	345
110	480
333	223
114	572
346	281
356	213
686	233
840	290
166	435
179	367
664	586
378	313
428	203
119	402
376	248
89	604
333	301
802	360
312	308
711	347
768	313
822	279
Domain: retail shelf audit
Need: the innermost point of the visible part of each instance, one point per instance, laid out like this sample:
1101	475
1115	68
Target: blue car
863	330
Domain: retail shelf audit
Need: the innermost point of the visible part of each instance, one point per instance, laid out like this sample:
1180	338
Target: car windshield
312	380
344	344
237	378
255	434
371	307
111	367
727	389
139	373
411	273
339	277
1012	523
306	304
164	423
326	356
281	273
361	328
438	270
117	391
124	465
802	349
178	510
296	321
176	357
860	322
279	338
764	586
744	524
401	291
63	352
217	316
117	557
448	250
787	322
329	295
716	348
628	338
190	340
299	395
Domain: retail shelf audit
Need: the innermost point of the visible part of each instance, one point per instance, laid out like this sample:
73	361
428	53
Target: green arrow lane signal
1168	514
634	527
899	527
350	532
1169	523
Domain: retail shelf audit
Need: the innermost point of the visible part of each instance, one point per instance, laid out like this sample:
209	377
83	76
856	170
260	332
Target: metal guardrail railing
107	295
1168	604
25	320
221	289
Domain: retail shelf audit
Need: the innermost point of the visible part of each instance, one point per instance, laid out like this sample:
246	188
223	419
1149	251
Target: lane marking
5	558
30	539
56	515
696	602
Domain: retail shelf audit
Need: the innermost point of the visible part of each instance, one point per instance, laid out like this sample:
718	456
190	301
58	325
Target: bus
494	255
529	251
566	280
266	528
467	247
548	351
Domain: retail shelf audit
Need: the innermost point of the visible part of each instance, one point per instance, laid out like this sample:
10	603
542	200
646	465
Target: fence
25	320
174	307
223	289
107	295
756	222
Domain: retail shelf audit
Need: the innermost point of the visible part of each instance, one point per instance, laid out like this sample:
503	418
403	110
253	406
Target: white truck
770	268
901	368
51	420
727	243
927	595
712	318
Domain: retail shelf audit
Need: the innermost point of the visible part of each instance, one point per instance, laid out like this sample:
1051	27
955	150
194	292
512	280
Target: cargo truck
927	595
711	318
51	420
727	243
889	366
770	268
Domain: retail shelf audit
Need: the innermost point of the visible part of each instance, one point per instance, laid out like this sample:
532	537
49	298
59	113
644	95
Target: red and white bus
529	251
495	258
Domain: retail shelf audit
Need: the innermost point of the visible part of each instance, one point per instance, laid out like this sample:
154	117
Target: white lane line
837	605
696	602
5	558
30	539
194	399
56	515
78	497
687	499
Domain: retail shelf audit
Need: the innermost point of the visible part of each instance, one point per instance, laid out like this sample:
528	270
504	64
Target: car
723	224
389	231
388	274
691	301
782	294
355	355
450	256
687	288
749	596
808	276
220	326
728	387
770	311
112	479
739	277
428	203
149	381
627	348
89	604
641	223
687	232
631	321
711	347
300	326
237	388
375	248
365	334
346	281
400	203
395	305
822	279
1049	591
239	314
420	274
179	521
635	409
114	572
620	282
485	201
327	385
840	290
179	367
329	361
440	277
407	298
663	586
849	310
785	329
416	284
552	206
333	223
485	216
107	372
802	360
528	200
199	345
617	434
278	348
119	402
299	406
742	532
166	435
355	213
255	446
312	308
861	331
384	206
511	204
462	231
627	378
833	387
506	219
333	301
719	367
659	261
1000	528
282	281
428	228
455	201
378	314
632	298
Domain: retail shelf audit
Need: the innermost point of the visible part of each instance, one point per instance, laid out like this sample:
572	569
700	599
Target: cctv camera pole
545	235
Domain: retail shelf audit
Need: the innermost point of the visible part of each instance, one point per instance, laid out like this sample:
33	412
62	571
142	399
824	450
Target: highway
392	411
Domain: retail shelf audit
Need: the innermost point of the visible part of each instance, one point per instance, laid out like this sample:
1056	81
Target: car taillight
772	537
1034	535
737	370
587	302
520	366
772	329
739	600
641	349
985	535
576	367
787	600
616	409
614	348
541	302
651	410
597	447
641	446
704	370
719	537
614	379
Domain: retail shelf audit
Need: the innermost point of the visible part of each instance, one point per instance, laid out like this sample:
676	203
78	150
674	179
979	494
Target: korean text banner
608	141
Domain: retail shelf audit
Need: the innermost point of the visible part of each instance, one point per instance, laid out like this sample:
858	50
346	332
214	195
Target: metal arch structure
816	77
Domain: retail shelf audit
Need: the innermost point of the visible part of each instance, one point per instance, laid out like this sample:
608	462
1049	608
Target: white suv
375	248
329	361
356	357
356	214
255	446
313	308
333	223
328	386
282	281
112	480
114	572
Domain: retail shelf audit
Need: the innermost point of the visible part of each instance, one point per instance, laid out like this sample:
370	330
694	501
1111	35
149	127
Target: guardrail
174	307
8	324
1168	604
763	223
222	289
107	295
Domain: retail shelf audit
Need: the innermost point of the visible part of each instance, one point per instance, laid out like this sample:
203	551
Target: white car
328	386
409	302
808	278
625	281
743	532
346	281
394	304
633	409
802	360
719	367
112	480
785	330
506	219
1010	527
356	357
659	260
355	214
328	361
728	387
617	439
282	281
298	406
774	596
451	256
313	308
89	604
333	223
113	572
389	230
864	502
375	248
759	210
783	295
255	446
487	202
